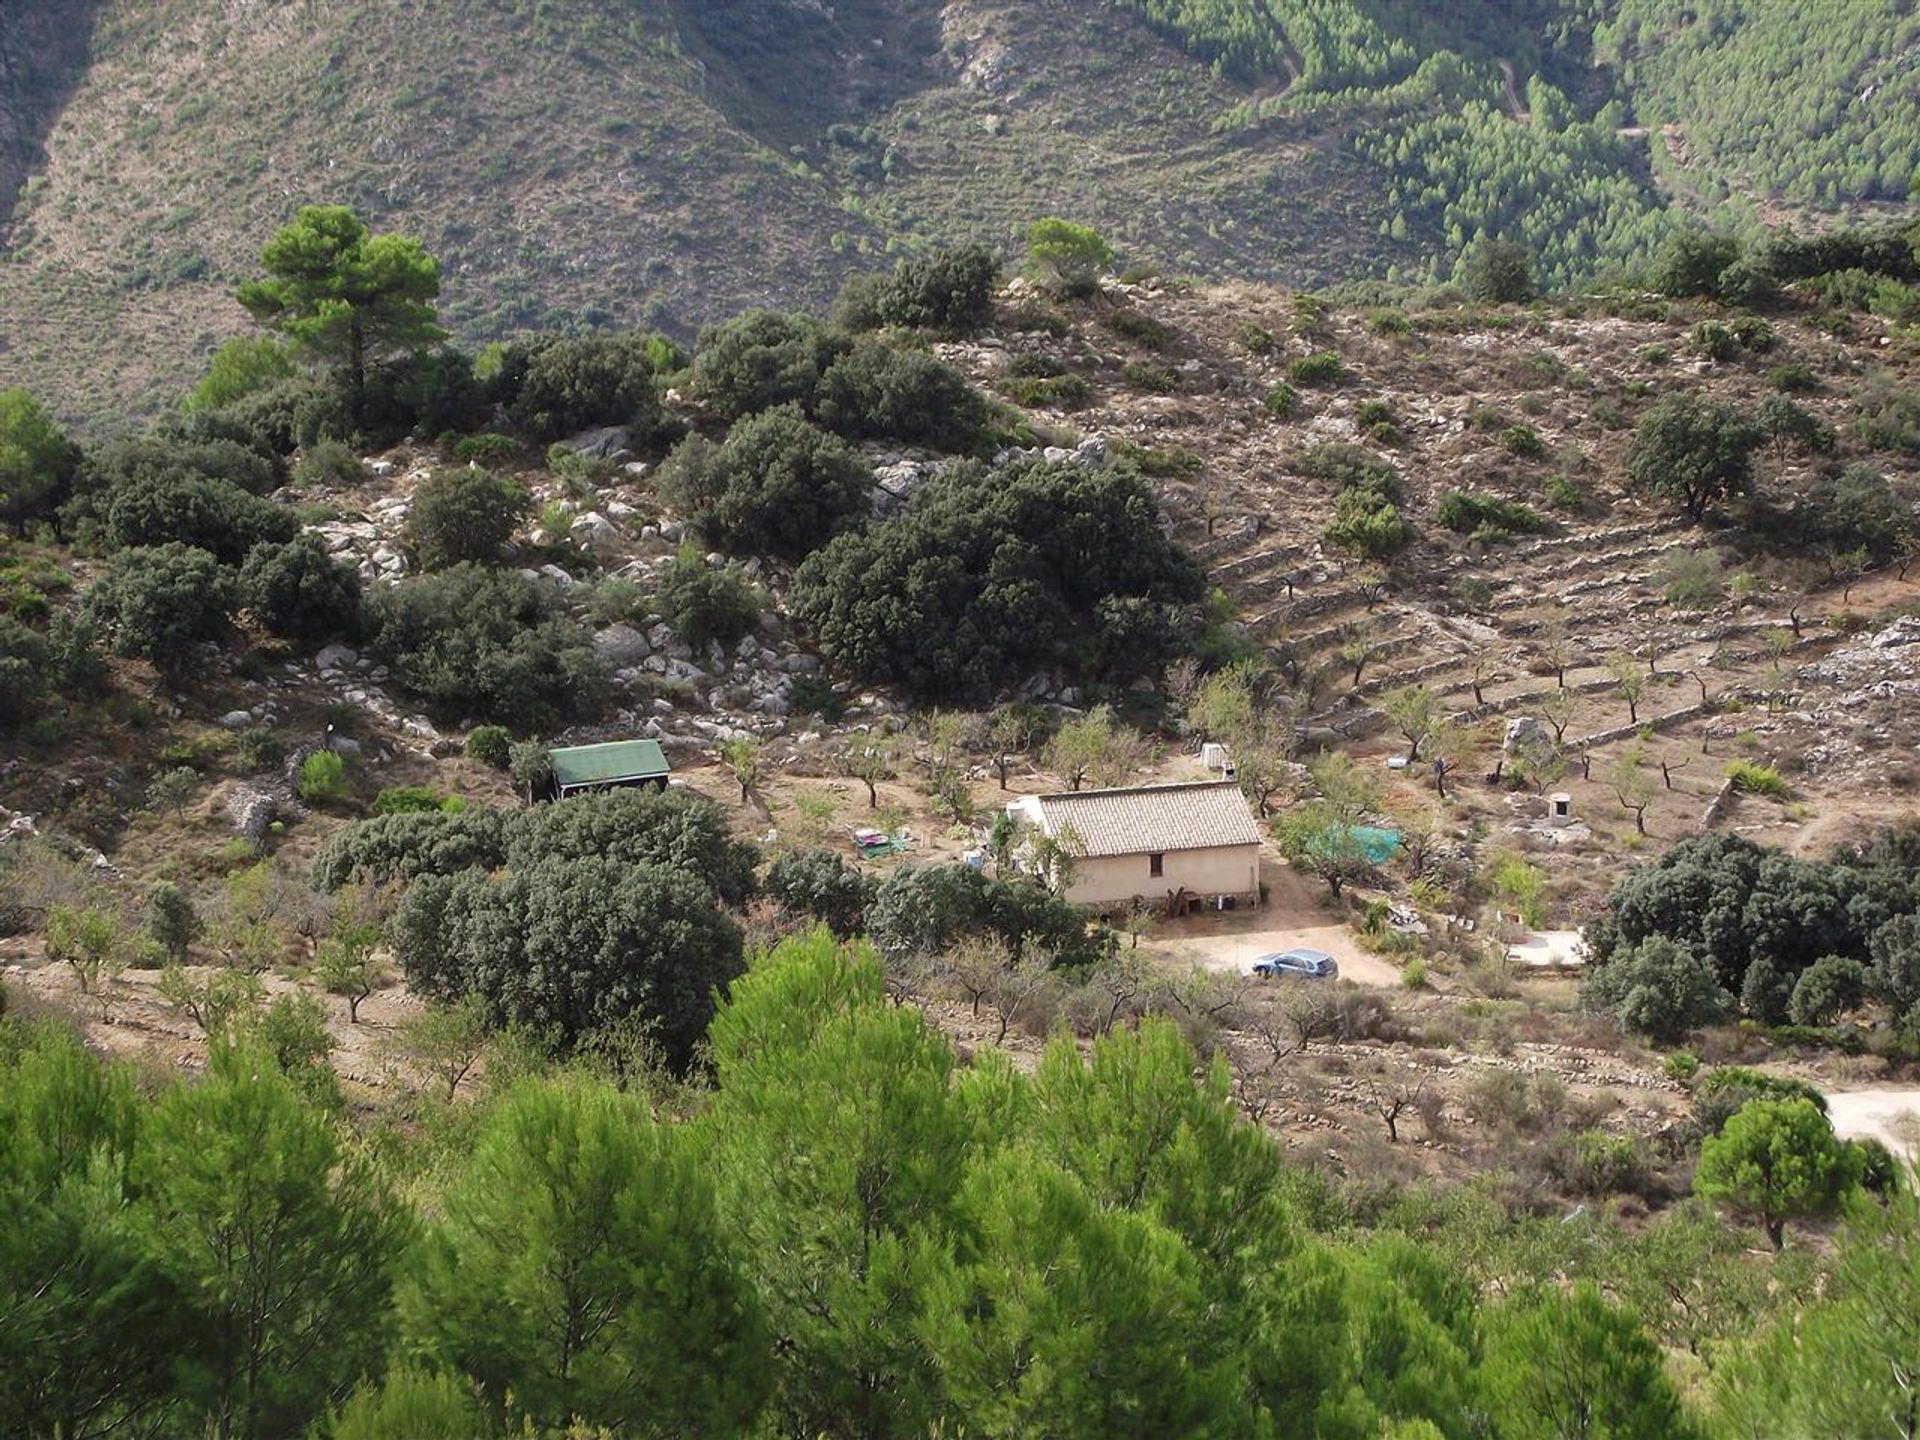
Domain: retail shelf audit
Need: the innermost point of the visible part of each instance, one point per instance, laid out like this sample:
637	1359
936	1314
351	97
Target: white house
1175	846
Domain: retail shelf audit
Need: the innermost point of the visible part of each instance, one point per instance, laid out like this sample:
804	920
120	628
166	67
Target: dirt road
1890	1116
1293	916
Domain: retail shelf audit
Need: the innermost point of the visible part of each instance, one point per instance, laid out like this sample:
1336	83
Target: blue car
1297	964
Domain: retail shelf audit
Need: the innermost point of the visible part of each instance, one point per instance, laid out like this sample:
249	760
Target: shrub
1350	467
1309	371
1596	1164
471	640
949	290
573	944
323	777
1365	523
820	885
1713	340
159	603
762	359
329	463
464	515
929	600
407	800
1524	441
1053	388
1827	989
1722	1091
403	847
1496	272
923	910
877	390
1134	325
243	366
574	383
213	515
1691	263
1856	510
1389	320
1657	989
1793	379
486	449
1693	450
777	484
1069	257
170	920
1283	400
1466	511
300	591
1257	338
1157	379
489	744
704	603
1752	778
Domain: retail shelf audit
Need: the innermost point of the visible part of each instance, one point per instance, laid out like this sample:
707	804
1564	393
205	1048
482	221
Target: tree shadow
44	54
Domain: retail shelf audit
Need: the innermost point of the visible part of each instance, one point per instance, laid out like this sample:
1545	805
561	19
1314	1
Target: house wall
1117	879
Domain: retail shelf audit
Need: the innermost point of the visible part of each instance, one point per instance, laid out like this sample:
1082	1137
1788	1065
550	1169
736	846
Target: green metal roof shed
617	762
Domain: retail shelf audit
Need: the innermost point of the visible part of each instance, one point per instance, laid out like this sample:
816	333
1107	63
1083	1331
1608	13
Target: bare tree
974	966
1017	987
1391	1095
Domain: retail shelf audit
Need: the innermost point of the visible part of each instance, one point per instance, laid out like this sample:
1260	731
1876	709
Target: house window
1156	865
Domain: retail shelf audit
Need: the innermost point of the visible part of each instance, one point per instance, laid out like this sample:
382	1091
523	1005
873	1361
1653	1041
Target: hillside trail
1520	111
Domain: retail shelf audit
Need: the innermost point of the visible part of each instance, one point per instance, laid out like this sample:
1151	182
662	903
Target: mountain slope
660	162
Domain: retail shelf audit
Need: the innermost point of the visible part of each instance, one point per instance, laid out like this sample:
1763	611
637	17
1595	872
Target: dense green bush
1467	511
572	383
1365	523
988	576
323	778
1657	989
675	828
37	461
471	641
1827	989
704	603
777	485
876	390
329	463
464	516
948	290
1496	272
1067	256
1856	510
407	800
211	515
762	359
486	449
1693	450
1322	368
1692	262
26	671
489	745
576	945
924	909
820	885
300	591
406	846
159	603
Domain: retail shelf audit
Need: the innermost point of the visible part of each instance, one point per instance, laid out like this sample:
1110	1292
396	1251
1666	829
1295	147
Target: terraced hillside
1730	651
661	162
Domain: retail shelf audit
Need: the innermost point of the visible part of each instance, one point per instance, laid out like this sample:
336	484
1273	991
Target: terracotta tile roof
1152	818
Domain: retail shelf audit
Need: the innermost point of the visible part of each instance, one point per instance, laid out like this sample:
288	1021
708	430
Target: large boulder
1525	733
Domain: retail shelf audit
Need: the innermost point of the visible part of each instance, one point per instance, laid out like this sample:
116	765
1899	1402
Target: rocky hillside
660	163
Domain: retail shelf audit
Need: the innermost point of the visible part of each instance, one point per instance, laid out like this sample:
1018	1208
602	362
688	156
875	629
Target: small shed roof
1152	819
607	764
